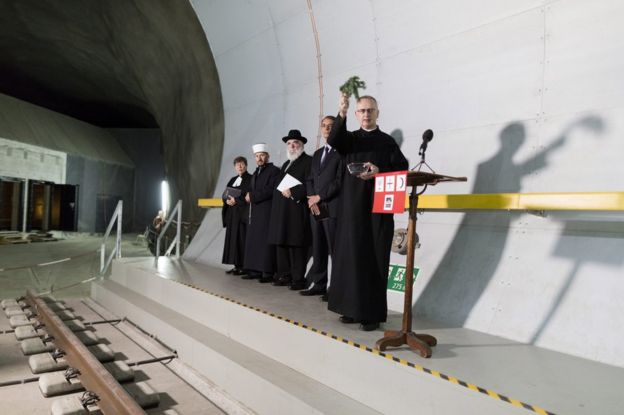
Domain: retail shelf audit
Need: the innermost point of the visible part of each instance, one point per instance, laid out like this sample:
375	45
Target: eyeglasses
366	110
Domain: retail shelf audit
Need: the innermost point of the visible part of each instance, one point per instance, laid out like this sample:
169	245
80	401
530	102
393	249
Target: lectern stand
420	343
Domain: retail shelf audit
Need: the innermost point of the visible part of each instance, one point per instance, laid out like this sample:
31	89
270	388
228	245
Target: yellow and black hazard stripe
439	375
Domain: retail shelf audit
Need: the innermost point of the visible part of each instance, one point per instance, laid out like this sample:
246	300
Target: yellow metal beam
607	201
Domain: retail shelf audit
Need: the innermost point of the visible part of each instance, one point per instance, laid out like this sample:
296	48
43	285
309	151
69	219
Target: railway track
85	363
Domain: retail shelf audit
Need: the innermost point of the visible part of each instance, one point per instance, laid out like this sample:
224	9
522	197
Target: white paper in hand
288	182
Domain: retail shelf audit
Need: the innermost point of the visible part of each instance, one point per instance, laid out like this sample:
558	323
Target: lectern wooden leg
391	339
427	338
420	343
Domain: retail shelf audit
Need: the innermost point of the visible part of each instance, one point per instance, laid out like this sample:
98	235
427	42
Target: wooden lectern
420	343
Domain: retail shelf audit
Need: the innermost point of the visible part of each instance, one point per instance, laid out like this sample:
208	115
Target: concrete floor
62	278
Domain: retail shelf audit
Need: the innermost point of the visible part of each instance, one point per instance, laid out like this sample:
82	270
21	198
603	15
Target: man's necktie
324	155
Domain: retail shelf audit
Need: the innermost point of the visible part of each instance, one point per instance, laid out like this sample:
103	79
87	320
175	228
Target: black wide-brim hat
295	135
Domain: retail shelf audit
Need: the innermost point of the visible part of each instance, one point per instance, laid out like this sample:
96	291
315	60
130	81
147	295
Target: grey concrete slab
28	332
143	394
55	383
69	405
35	345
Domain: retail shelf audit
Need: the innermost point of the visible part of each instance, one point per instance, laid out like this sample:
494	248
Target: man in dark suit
290	220
323	186
259	254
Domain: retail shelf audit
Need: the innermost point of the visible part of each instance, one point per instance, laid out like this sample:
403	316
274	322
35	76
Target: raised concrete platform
279	352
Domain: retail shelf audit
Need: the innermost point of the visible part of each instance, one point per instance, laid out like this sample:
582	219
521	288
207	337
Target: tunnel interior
140	71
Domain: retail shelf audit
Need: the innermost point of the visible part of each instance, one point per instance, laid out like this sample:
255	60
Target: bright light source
164	197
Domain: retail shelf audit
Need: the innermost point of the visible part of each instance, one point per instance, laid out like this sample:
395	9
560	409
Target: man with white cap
259	254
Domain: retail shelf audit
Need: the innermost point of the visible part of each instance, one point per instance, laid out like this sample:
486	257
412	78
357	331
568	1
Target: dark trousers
291	262
323	233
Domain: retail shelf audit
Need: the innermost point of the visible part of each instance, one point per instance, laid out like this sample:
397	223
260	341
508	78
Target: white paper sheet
288	182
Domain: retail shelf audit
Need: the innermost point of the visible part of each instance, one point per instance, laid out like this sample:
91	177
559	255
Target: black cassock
363	239
290	217
259	254
235	220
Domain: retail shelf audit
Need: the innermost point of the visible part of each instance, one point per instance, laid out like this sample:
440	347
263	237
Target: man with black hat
259	254
290	226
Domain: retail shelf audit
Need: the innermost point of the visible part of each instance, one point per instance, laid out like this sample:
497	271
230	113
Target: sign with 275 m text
396	277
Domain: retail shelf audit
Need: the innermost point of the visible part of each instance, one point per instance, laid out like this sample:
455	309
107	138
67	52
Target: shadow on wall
476	250
397	134
604	250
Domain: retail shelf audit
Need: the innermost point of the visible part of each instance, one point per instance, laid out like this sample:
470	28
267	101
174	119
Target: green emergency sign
396	277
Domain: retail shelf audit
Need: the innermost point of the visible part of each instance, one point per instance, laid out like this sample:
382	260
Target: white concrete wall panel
523	96
584	62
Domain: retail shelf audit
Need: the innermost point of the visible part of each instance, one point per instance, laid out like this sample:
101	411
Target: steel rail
114	400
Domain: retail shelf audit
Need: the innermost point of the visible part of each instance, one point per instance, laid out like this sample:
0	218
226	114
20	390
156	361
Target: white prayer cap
260	148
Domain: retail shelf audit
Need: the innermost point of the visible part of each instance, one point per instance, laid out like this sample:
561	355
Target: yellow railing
606	201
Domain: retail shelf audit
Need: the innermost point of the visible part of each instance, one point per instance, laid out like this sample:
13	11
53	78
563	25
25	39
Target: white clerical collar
368	131
329	148
237	182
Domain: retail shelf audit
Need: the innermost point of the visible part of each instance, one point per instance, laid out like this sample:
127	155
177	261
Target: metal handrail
116	252
176	242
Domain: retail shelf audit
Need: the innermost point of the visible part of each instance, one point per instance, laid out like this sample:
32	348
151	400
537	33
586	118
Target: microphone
426	138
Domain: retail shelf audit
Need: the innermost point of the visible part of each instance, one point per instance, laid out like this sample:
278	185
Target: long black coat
235	220
259	254
290	218
363	239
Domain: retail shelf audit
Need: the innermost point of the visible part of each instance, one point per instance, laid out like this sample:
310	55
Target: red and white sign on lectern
390	192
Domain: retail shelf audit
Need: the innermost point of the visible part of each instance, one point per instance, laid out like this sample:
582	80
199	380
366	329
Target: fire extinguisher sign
390	191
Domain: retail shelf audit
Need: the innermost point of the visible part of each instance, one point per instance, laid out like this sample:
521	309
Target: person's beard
295	154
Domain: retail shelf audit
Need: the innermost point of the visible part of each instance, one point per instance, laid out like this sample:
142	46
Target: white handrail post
119	229
179	230
104	262
176	242
102	257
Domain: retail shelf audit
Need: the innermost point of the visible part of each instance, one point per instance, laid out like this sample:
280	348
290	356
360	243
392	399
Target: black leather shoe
231	271
347	320
281	282
325	297
369	326
266	279
251	276
313	291
239	271
296	286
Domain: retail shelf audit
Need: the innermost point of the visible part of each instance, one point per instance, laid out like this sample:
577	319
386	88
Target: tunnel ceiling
59	55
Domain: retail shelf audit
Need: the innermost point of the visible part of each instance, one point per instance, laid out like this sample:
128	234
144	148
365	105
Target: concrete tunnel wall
523	96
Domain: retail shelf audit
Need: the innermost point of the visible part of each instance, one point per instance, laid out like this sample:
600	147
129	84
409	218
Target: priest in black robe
259	254
290	219
235	215
363	239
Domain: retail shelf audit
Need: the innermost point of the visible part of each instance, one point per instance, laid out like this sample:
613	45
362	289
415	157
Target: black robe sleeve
339	138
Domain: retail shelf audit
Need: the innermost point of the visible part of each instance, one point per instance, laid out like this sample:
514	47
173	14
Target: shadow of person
476	250
397	134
